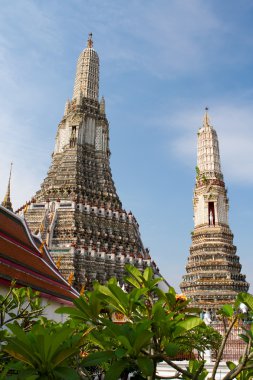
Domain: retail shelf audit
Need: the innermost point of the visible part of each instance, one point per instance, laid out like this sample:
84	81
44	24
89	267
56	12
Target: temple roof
26	260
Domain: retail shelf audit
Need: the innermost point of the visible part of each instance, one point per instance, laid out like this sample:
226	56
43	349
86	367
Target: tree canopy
116	332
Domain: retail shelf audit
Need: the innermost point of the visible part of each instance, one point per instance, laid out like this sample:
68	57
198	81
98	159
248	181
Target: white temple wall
51	306
63	137
208	150
200	211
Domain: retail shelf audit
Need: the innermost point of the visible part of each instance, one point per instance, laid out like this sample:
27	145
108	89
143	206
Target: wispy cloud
165	41
166	38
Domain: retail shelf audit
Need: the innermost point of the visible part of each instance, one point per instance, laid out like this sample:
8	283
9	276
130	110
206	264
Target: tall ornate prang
7	199
77	211
213	270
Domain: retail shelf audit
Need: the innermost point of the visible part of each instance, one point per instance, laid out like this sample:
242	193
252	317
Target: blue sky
161	63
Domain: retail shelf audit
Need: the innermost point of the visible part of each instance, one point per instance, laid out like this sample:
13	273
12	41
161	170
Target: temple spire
90	41
87	73
102	106
7	199
77	204
213	273
208	157
206	121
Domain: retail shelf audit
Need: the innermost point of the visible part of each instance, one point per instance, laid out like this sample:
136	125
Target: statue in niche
72	141
207	318
211	218
51	212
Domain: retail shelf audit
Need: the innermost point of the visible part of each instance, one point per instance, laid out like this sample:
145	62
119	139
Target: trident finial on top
206	118
90	41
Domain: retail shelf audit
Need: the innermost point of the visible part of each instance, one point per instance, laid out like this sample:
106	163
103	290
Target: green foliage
21	305
158	326
201	338
204	179
157	322
245	298
196	367
197	172
44	351
227	311
246	374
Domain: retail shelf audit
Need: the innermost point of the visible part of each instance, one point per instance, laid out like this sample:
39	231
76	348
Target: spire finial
87	73
206	118
7	199
90	41
10	172
102	105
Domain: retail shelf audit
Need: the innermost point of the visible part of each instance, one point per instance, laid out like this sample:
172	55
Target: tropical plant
158	326
19	305
45	351
115	332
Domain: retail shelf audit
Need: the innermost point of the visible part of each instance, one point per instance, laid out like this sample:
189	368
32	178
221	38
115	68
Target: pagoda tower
7	199
77	211
213	271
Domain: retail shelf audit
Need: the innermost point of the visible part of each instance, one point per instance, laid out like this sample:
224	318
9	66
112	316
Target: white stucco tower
87	73
210	203
213	270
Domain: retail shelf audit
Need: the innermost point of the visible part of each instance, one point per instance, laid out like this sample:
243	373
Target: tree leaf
116	370
142	339
148	274
125	342
245	298
135	278
186	325
115	297
132	281
120	352
146	365
172	349
231	365
66	373
97	358
227	310
154	282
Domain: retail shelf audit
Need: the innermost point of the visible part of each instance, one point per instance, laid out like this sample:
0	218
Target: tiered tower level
77	210
213	270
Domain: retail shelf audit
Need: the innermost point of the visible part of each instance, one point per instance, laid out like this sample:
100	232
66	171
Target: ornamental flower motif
181	297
